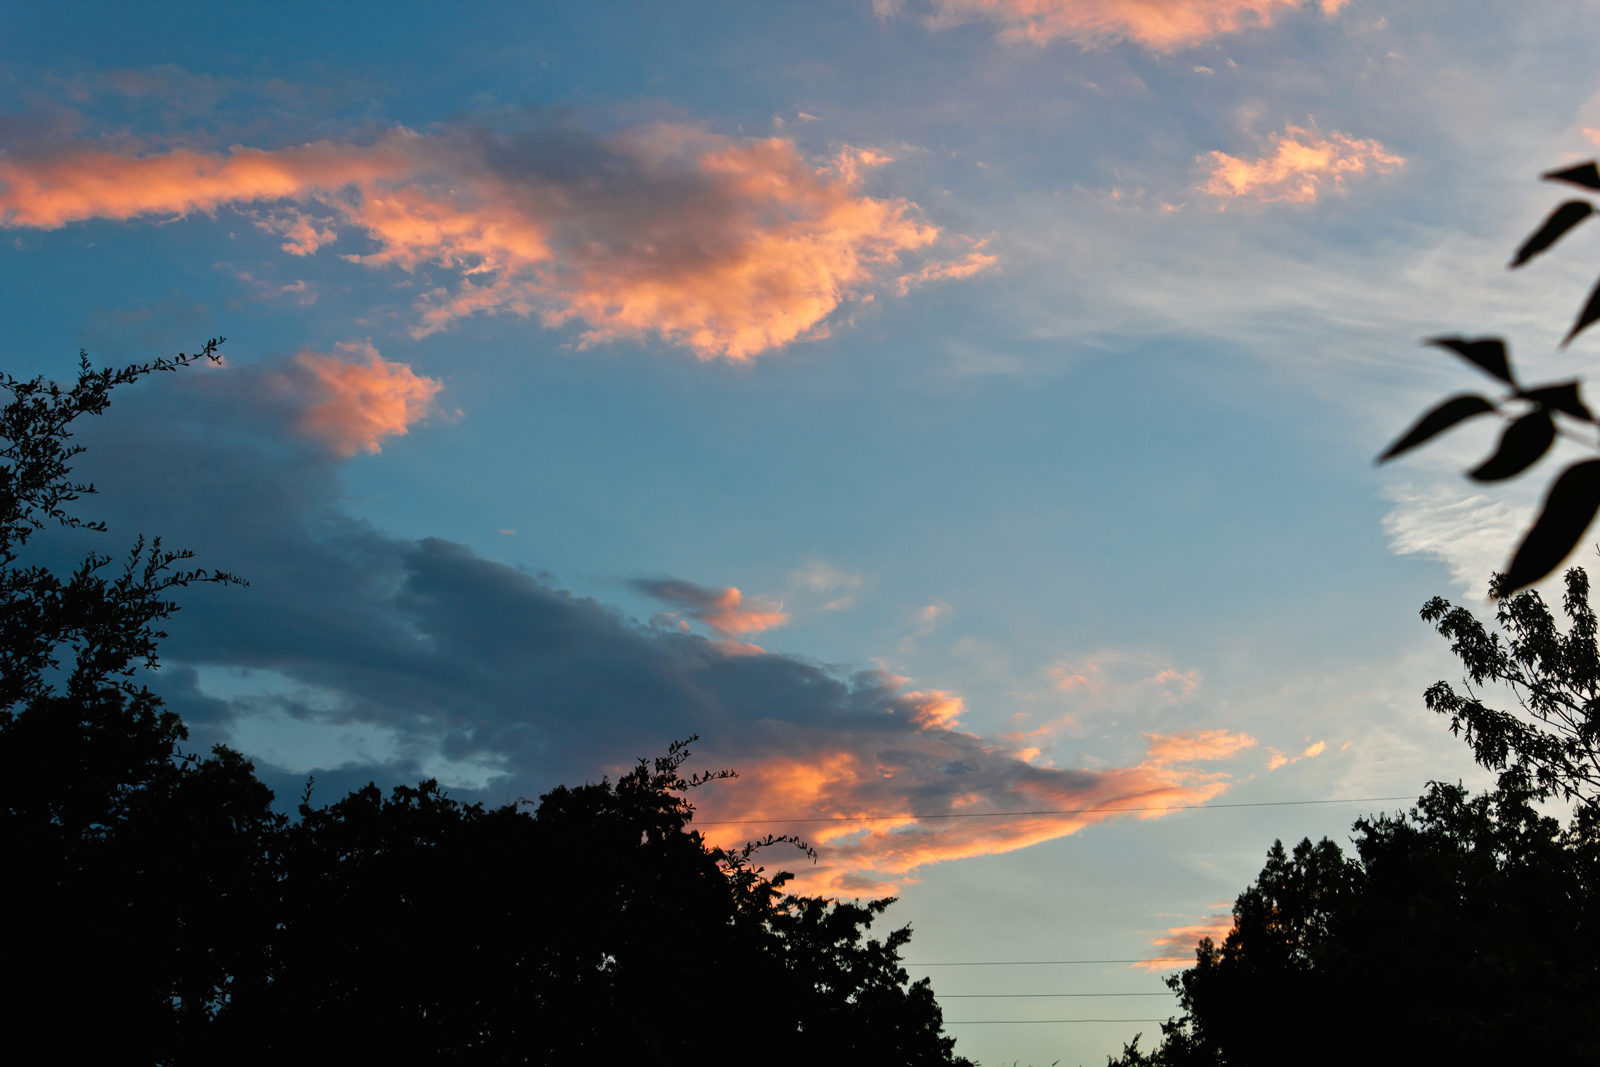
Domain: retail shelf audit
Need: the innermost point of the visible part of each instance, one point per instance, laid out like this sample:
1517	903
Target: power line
1051	811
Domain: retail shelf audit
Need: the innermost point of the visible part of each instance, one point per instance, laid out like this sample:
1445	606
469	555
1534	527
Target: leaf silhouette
1568	510
1591	311
1524	441
1555	227
1440	419
1486	353
1584	174
1562	398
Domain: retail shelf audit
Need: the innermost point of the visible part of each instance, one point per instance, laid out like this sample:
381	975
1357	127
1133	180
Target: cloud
727	246
1296	167
932	796
1125	676
822	577
1199	745
1179	943
1160	25
974	262
355	398
723	610
1280	760
359	656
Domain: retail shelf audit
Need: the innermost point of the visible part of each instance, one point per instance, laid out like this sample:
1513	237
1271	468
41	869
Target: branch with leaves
1531	414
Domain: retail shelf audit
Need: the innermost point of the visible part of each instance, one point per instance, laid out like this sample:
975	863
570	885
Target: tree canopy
1464	929
163	912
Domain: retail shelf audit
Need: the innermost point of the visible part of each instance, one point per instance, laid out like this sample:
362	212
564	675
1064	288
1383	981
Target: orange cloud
730	247
1181	941
1280	760
355	398
1296	168
1161	25
974	262
723	610
1199	745
883	803
936	709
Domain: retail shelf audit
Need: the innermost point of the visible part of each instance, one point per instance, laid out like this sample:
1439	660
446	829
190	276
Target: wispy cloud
723	610
1179	942
1296	167
1161	25
1199	745
727	246
1280	760
871	795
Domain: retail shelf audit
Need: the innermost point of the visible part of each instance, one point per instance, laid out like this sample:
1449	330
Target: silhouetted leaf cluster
1552	747
161	912
1463	932
1574	497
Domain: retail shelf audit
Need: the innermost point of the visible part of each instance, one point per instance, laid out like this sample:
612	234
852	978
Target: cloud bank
727	246
355	655
1160	25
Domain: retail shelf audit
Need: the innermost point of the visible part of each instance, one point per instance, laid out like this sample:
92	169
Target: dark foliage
1573	499
1551	745
1463	932
162	913
599	927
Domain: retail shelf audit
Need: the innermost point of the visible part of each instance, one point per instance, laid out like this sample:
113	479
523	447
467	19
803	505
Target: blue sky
1022	377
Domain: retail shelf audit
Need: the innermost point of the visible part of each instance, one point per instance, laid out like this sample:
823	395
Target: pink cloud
1179	943
1161	25
1199	745
727	246
871	792
353	399
724	610
974	262
1296	167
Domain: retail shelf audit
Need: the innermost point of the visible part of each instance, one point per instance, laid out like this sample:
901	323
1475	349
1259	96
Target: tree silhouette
1530	413
1470	921
601	925
161	911
1551	745
1461	932
136	872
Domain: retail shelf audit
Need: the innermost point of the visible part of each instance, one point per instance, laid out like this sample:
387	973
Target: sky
939	407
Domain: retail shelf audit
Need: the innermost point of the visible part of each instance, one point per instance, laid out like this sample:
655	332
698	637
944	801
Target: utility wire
1051	811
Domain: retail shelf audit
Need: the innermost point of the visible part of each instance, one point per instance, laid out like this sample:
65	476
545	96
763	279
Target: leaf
1555	227
1562	398
1487	353
1440	419
1584	174
1591	311
1521	446
1568	510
